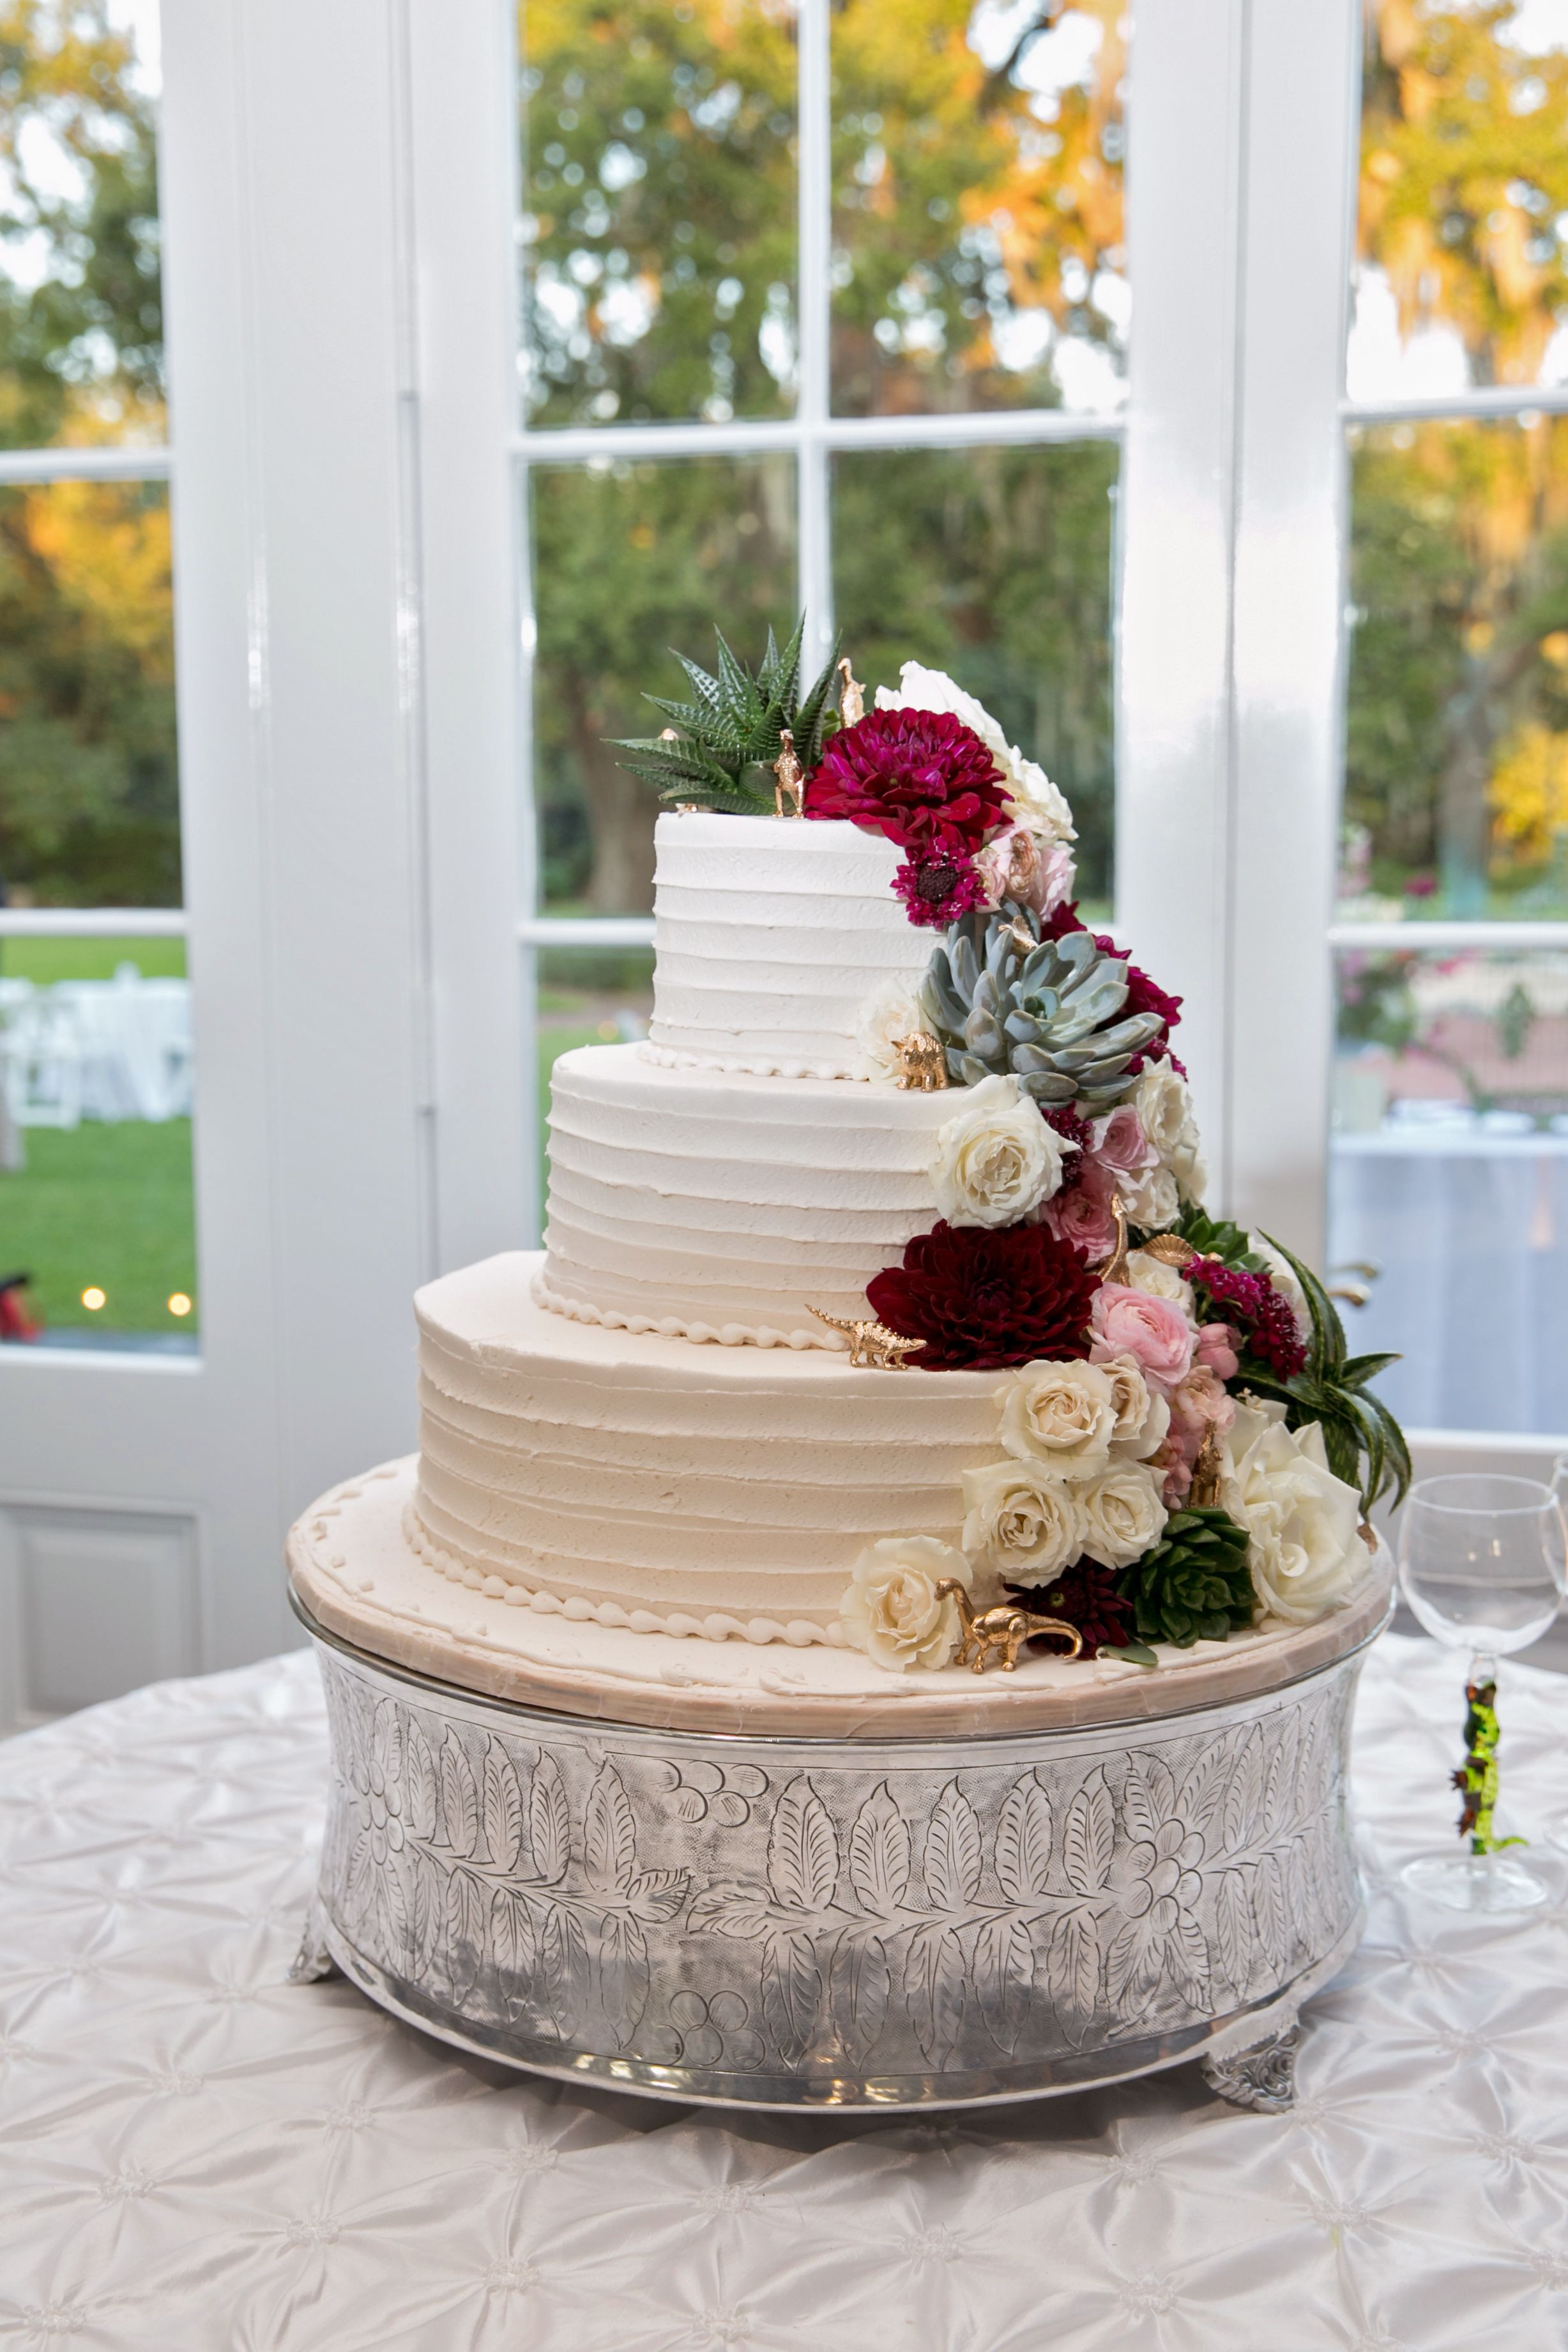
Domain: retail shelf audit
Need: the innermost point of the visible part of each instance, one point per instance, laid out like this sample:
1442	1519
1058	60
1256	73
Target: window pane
587	996
978	257
1450	1177
995	565
96	1204
630	560
1456	748
1460	272
659	228
81	331
89	810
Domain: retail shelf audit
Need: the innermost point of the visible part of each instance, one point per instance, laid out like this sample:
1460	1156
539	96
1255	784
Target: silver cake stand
765	1921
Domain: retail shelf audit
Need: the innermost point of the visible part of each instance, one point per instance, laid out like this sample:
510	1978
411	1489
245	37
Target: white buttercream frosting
769	934
714	1205
669	1481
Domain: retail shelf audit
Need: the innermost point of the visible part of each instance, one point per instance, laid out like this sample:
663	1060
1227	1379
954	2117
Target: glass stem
1477	1779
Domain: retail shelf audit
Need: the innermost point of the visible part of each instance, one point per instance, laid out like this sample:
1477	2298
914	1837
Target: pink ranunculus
1015	865
1118	1141
1217	1350
1083	1214
1136	1323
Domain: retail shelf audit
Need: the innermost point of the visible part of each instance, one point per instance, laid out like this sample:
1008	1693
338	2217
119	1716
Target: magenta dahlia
982	1298
920	777
1143	995
939	888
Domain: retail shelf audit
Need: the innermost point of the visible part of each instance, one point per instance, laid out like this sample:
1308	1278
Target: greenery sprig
728	736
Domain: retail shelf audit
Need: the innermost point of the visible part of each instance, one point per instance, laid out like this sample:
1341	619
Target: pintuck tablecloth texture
196	2155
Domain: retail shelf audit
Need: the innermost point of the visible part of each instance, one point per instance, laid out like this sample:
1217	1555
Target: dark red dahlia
938	891
920	777
1262	1315
1084	1596
983	1298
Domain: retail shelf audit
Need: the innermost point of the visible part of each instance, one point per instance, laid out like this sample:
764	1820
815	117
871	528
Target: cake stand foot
1262	2078
313	1961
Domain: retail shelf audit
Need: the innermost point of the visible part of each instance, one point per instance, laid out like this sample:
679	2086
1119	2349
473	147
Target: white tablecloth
197	2156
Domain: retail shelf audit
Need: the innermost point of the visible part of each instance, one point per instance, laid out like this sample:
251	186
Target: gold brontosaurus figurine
1115	1267
1000	1632
872	1345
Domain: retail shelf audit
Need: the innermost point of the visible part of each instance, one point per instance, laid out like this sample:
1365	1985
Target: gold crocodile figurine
1000	1632
872	1345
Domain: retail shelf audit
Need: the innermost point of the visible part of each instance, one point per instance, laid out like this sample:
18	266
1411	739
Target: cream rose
892	1010
1123	1514
1034	798
1151	1198
997	1160
1142	1415
1063	1416
1305	1554
1022	1520
1164	1105
891	1609
1152	1275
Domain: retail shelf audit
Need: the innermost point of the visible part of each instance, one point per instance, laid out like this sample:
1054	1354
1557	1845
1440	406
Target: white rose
1305	1552
1123	1514
1035	800
1023	1520
1065	1415
1142	1415
1150	1198
1284	1282
892	1010
997	1160
1152	1275
891	1609
1164	1105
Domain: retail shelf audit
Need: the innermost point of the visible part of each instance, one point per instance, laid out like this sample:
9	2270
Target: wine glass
1482	1562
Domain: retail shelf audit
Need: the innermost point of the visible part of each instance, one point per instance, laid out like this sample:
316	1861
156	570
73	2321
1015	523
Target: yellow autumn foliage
1528	791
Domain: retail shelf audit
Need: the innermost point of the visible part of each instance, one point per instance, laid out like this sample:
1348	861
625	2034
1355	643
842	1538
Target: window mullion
814	277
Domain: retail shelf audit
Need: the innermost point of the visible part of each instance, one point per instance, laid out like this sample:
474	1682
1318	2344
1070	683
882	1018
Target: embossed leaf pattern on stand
891	1919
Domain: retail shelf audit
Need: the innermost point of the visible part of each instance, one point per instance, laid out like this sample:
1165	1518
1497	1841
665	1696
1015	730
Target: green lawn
109	1207
46	961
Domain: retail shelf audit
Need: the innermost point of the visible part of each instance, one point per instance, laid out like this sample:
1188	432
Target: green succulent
1051	1013
728	738
1196	1584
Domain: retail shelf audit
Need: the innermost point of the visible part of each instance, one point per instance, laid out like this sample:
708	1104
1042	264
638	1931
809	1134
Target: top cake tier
769	935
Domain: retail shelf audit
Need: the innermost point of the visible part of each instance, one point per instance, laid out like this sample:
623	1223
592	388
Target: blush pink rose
1126	1322
1177	1469
1216	1348
1117	1141
1082	1216
1199	1404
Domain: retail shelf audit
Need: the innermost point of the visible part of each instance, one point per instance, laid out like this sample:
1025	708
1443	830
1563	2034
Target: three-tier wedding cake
879	1316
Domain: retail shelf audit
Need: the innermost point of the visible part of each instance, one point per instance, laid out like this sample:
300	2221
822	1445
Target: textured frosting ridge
770	933
712	1206
670	1482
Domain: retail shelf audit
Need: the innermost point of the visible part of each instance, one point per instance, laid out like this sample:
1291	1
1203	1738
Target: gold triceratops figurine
922	1063
1000	1632
872	1345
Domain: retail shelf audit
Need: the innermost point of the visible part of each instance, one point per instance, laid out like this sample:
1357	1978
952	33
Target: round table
194	2153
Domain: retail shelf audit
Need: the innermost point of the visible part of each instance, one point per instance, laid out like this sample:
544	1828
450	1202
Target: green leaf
1132	1653
1327	1353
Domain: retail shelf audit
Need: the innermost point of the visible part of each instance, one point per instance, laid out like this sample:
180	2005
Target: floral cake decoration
1186	1446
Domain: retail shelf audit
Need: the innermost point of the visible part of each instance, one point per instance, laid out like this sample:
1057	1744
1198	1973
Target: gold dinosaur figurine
1115	1267
872	1345
1207	1473
922	1063
789	778
1000	1632
852	696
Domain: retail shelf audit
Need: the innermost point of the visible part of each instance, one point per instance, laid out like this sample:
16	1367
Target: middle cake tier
711	1206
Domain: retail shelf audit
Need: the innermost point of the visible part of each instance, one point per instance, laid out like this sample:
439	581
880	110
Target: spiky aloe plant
1332	1386
728	736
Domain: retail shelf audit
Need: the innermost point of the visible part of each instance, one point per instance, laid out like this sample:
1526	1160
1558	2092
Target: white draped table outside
197	2156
